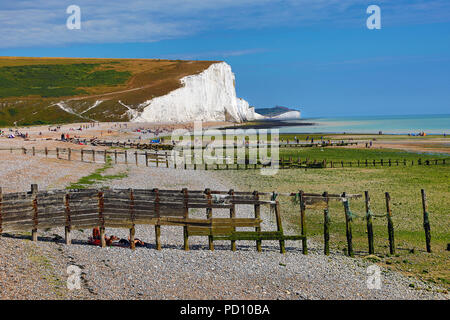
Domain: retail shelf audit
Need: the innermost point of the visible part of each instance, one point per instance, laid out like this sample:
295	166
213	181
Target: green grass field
56	80
403	184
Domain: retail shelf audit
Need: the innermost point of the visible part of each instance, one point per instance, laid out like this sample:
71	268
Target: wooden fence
368	217
125	208
162	146
173	159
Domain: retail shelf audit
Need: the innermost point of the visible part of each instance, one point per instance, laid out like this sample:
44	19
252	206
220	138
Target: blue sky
317	55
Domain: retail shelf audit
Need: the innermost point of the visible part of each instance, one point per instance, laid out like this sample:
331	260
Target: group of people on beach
112	240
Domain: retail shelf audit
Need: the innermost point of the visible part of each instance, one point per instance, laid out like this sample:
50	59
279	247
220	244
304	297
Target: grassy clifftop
30	88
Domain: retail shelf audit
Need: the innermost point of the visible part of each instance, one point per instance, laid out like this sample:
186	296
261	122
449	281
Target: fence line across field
178	160
124	208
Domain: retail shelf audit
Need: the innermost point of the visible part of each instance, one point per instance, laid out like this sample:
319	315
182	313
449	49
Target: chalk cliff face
288	115
207	96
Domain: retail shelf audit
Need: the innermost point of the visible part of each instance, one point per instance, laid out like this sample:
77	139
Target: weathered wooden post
132	217
57	153
426	221
82	155
34	151
369	223
348	225
326	225
68	219
125	153
69	154
209	216
34	191
257	208
93	156
146	159
279	225
186	216
136	157
232	215
1	218
101	219
390	224
115	156
105	156
303	221
46	152
157	226
167	159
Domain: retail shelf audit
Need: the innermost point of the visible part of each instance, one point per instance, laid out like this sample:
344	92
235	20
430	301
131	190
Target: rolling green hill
62	90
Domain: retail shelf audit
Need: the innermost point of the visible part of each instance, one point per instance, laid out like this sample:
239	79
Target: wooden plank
209	216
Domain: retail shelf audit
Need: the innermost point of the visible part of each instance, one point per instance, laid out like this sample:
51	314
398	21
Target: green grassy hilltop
30	88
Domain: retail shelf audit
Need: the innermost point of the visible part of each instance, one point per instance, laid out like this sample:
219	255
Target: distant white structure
290	115
207	96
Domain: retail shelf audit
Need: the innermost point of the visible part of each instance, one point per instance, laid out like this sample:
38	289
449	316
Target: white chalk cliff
288	115
207	96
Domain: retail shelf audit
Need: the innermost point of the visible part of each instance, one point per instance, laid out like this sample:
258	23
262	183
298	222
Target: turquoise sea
430	124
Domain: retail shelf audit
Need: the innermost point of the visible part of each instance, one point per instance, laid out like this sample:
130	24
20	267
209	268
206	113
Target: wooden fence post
68	220
426	221
34	151
101	219
157	226
303	221
279	225
93	156
115	156
257	208
390	224
69	156
82	155
132	216
326	225
369	223
57	153
146	159
186	216
34	191
125	153
46	152
105	156
232	215
209	216
348	225
136	157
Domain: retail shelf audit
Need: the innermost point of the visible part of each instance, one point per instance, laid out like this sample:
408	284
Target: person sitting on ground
96	238
137	242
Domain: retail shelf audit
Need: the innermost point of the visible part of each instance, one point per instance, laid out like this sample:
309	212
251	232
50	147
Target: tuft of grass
97	176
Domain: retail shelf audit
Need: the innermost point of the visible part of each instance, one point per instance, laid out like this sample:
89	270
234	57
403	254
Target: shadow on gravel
193	247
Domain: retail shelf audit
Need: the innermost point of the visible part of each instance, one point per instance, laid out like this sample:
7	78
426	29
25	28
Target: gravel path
119	273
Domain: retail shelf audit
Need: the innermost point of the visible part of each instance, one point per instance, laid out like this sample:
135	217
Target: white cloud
43	22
